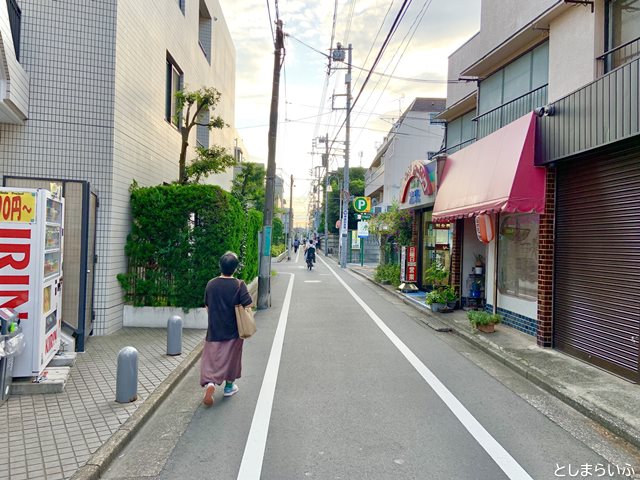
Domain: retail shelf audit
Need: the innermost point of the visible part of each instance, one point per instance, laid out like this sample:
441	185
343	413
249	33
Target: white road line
298	254
503	459
251	465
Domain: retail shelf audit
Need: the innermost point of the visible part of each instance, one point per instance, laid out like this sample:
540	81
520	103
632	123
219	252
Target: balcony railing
15	15
497	118
373	173
599	114
455	148
616	57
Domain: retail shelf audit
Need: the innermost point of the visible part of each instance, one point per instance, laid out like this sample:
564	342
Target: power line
273	36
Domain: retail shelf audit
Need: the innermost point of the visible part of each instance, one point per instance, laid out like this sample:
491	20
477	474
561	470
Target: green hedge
250	258
277	250
178	234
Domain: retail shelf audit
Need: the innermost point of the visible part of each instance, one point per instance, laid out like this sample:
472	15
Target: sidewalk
51	436
599	395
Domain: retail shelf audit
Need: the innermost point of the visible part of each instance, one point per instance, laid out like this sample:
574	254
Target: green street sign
362	204
365	216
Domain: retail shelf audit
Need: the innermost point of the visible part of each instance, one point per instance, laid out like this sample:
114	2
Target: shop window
518	255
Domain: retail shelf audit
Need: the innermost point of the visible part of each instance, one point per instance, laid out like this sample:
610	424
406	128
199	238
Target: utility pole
326	195
264	278
290	219
344	225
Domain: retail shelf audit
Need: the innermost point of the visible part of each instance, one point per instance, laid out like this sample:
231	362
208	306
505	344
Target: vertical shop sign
403	264
412	265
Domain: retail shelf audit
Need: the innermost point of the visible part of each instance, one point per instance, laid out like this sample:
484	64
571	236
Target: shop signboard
31	240
403	264
412	264
419	184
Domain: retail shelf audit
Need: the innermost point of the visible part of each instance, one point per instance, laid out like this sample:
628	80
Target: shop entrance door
597	263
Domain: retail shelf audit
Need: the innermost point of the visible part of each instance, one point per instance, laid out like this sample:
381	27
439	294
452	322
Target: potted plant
479	268
435	275
483	321
451	297
436	300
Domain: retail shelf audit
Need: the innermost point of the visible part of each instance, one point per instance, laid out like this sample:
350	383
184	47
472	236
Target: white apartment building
413	137
86	91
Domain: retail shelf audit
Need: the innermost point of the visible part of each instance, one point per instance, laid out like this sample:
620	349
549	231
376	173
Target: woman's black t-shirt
221	296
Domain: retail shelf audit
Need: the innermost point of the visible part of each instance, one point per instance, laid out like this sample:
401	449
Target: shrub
480	317
178	234
277	250
435	296
250	257
277	232
388	273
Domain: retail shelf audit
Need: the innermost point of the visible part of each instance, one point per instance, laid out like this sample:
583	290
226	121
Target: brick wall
456	255
545	264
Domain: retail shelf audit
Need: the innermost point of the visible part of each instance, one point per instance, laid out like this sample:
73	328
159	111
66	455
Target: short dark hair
228	263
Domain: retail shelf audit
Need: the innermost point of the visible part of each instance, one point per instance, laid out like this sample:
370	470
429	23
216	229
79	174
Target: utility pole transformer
264	278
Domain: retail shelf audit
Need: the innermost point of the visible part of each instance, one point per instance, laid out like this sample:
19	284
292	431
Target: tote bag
244	318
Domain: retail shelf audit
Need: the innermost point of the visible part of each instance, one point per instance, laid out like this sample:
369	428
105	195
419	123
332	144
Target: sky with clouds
427	34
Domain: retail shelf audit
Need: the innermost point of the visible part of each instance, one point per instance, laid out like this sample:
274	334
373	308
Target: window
518	255
525	74
622	32
461	130
181	5
174	82
204	31
202	132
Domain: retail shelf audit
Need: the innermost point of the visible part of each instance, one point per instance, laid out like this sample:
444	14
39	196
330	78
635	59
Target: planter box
487	328
156	317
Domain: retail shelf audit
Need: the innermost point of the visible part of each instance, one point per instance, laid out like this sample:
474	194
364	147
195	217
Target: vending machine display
31	241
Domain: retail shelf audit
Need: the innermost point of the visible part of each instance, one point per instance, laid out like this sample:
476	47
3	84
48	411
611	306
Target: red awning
494	174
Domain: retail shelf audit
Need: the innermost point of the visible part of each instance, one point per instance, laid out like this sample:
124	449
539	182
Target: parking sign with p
362	204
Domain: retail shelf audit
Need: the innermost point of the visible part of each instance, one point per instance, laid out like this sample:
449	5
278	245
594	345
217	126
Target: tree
199	105
277	233
248	186
356	188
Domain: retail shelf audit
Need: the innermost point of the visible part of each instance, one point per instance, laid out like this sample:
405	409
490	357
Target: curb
608	421
100	460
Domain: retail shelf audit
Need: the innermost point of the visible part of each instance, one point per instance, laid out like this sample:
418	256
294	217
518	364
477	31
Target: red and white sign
31	235
412	264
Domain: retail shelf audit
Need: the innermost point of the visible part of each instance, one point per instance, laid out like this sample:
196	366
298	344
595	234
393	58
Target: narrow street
341	382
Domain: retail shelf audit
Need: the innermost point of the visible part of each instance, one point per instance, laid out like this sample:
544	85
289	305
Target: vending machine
31	239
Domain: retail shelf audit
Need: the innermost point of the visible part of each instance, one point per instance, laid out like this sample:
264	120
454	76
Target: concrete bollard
174	335
127	375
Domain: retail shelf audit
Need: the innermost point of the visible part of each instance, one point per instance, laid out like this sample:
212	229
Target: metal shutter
597	262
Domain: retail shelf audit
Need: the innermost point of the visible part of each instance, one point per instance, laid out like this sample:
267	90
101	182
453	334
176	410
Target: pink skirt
221	361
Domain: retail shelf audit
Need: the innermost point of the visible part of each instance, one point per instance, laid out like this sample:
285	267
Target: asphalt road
342	382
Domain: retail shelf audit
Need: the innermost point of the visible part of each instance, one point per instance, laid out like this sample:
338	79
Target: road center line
251	465
503	459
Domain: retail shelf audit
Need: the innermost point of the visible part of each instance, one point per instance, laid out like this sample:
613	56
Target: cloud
445	26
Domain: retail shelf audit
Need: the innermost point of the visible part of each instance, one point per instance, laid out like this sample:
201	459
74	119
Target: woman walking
222	355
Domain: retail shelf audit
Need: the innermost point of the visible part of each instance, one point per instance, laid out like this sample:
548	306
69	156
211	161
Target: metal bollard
174	335
127	375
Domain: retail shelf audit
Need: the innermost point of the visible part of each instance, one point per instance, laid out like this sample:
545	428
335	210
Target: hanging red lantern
484	228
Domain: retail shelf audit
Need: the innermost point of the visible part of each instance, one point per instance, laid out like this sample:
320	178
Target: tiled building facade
97	102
